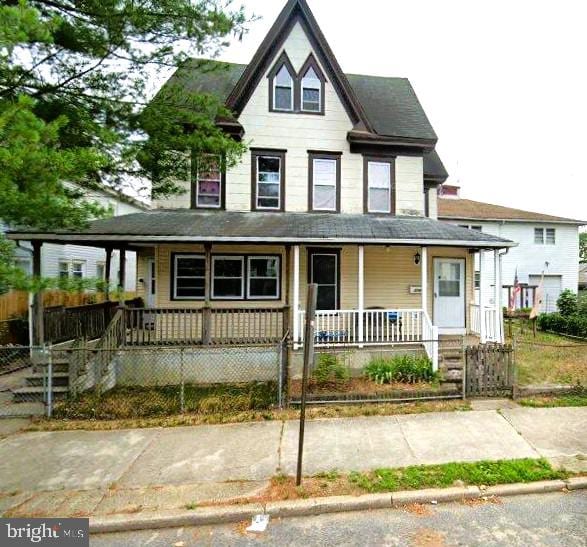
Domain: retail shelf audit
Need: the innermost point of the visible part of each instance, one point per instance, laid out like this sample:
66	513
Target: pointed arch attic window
311	91
283	89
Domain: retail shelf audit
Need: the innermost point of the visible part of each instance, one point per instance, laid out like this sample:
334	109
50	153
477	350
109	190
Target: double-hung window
74	269
63	269
228	277
207	193
263	277
283	90
268	180
544	236
311	91
324	173
379	191
189	276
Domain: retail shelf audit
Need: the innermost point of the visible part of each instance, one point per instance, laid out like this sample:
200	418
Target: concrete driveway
257	451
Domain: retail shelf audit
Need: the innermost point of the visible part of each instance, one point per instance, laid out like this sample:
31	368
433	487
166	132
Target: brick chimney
449	191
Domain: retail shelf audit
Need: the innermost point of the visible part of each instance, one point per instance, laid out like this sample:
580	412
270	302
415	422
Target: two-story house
548	246
338	188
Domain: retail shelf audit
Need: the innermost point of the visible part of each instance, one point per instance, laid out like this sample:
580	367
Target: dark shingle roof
392	106
181	225
451	208
433	166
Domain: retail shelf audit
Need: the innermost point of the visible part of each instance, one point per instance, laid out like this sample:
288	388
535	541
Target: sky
504	84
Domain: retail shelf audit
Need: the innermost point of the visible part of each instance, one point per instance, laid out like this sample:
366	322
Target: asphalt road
537	520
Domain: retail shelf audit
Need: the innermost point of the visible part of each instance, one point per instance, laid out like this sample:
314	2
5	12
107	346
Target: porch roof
191	226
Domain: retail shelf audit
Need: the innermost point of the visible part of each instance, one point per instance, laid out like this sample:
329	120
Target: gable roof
467	209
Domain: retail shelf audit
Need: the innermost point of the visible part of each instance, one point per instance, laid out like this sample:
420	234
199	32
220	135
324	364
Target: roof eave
525	220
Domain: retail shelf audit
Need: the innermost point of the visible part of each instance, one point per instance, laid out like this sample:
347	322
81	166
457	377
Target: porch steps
33	390
451	360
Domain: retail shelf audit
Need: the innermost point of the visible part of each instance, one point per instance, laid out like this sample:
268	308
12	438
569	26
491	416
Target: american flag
516	290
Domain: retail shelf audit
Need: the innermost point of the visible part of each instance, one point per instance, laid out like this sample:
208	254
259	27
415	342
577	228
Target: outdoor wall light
417	258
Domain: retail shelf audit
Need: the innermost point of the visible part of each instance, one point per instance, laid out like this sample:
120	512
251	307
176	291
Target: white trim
242	278
524	220
424	278
208	206
369	187
482	335
296	294
277	279
319	89
174	280
361	292
333	185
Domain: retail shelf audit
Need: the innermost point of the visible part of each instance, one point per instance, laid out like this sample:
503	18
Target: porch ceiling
190	226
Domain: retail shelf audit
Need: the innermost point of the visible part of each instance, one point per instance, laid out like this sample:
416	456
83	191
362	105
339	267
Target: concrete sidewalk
101	472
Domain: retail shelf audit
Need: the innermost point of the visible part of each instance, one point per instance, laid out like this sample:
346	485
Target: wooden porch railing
491	331
208	326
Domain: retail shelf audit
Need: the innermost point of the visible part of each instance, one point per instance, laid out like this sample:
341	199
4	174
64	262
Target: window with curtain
311	91
209	181
379	187
268	182
324	184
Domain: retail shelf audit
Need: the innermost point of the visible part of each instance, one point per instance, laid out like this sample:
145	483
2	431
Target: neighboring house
546	244
83	261
339	188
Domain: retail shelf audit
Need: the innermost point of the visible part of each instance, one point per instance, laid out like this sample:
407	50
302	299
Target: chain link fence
83	382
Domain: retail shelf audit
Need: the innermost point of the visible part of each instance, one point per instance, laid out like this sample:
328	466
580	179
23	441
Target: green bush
329	369
574	325
567	303
401	368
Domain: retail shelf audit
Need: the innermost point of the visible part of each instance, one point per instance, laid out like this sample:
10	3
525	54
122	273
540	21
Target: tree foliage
74	81
583	248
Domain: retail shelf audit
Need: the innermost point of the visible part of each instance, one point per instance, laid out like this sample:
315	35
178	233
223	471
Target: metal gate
490	370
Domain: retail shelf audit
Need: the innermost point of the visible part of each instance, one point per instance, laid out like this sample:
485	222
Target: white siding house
82	261
546	245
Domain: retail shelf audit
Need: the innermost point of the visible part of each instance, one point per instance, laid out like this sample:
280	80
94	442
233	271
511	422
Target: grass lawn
334	483
549	358
194	418
552	401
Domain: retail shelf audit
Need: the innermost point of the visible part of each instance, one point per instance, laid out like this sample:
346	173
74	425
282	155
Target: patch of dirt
474	502
359	386
427	537
418	509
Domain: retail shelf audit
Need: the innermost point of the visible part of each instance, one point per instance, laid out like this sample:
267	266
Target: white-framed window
283	85
100	270
263	277
63	269
311	91
228	277
268	192
324	182
208	181
379	187
75	269
545	236
189	276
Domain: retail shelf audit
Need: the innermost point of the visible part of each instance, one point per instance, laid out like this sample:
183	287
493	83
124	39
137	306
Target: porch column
207	312
122	275
481	296
361	303
107	268
424	281
496	297
296	296
38	335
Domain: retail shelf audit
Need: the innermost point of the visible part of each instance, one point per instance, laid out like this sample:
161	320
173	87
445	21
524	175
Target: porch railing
208	326
490	323
373	327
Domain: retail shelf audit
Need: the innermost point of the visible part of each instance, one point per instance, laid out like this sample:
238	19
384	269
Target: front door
449	293
323	270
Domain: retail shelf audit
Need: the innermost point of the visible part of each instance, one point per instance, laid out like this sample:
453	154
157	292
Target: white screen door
449	293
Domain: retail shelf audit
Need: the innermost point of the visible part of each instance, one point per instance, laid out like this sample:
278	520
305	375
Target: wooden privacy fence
490	370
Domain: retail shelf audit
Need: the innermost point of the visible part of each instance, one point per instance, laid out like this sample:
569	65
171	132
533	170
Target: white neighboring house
546	243
81	261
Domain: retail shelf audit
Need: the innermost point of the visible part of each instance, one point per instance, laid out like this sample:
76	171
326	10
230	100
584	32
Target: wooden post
107	268
308	360
361	289
37	307
482	335
207	312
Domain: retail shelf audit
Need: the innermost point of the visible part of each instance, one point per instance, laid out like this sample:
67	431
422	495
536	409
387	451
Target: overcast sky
504	84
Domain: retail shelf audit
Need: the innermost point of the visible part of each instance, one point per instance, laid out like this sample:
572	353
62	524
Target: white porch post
481	302
296	296
361	302
424	282
496	296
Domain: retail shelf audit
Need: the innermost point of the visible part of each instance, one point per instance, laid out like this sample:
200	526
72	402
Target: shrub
574	325
329	369
567	303
401	368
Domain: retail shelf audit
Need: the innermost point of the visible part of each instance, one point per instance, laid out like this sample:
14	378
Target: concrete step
452	376
58	379
451	365
60	365
35	393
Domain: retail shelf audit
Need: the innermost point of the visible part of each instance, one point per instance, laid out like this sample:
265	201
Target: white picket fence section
372	328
